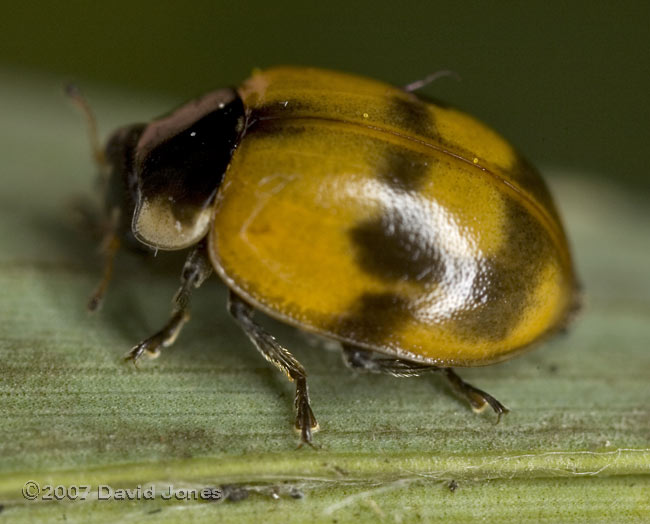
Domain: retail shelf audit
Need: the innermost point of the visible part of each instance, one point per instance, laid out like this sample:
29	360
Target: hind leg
367	361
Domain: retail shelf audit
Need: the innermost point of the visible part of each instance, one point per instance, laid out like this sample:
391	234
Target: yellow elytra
356	210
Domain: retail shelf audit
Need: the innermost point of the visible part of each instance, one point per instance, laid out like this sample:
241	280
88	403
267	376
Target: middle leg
280	357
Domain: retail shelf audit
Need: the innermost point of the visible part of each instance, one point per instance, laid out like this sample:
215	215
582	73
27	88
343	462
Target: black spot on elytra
372	317
410	115
404	169
502	289
188	167
432	100
393	249
274	128
529	179
283	109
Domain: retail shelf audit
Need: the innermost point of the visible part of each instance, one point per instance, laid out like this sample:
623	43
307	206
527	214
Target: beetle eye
180	160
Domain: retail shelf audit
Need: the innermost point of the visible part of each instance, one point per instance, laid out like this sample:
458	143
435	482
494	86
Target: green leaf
210	412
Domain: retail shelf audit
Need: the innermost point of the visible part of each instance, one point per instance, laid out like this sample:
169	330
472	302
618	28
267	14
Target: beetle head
172	167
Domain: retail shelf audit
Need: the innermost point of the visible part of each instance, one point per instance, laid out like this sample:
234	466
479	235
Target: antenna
419	84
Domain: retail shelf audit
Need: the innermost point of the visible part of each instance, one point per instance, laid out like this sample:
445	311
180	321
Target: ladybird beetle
408	231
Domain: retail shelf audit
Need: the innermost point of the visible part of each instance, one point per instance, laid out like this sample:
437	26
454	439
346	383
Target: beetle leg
282	359
362	360
109	247
477	398
196	269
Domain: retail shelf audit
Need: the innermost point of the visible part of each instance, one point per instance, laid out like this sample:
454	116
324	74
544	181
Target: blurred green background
568	82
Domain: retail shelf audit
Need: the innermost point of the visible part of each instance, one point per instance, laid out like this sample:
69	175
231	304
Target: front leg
196	269
109	247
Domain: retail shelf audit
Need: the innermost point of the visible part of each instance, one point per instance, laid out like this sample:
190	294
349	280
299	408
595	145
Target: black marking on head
411	115
183	160
501	291
404	169
393	249
374	316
